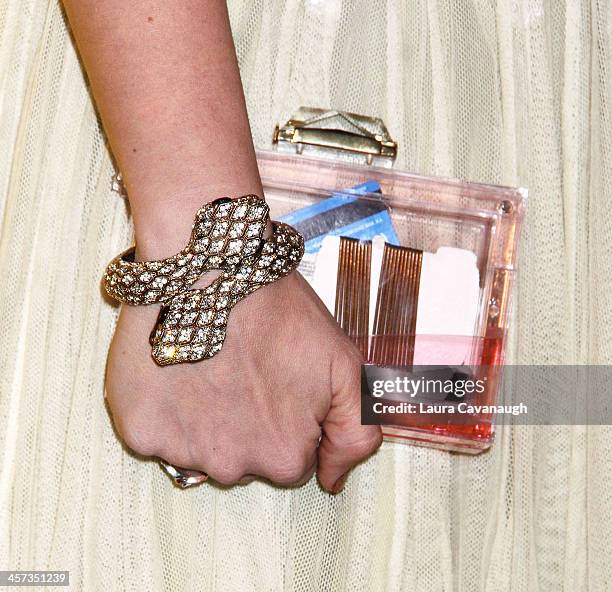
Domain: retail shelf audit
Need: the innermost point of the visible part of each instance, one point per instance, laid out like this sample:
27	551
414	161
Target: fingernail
339	484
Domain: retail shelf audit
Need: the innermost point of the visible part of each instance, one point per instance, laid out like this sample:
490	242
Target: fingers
289	459
283	451
291	463
345	441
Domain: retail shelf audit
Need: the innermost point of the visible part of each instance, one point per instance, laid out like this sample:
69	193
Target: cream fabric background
509	91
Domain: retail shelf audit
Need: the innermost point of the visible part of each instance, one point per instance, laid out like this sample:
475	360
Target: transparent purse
417	270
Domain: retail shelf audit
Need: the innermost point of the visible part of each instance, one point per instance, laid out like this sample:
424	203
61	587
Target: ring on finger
180	478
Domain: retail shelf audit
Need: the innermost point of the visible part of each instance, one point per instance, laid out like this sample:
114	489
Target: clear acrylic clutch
417	270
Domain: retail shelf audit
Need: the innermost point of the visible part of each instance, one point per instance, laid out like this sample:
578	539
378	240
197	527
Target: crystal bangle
226	235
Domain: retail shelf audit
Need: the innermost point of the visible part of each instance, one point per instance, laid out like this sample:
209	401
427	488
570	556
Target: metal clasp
337	133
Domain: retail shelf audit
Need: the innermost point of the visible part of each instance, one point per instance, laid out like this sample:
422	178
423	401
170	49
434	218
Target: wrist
163	229
226	236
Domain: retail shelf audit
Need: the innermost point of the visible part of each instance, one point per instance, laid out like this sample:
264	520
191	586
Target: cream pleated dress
505	91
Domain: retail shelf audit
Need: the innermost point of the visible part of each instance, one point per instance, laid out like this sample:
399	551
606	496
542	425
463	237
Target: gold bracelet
192	325
224	232
227	235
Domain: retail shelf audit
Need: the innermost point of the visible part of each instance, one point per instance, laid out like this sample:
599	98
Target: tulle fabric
514	92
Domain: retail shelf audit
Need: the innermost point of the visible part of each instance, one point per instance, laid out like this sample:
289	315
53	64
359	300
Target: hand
286	376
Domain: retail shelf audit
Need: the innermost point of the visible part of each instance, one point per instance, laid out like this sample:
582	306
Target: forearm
166	83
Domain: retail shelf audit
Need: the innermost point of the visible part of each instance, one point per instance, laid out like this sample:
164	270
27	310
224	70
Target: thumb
344	442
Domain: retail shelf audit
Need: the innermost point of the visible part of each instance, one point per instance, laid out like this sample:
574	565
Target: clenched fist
279	401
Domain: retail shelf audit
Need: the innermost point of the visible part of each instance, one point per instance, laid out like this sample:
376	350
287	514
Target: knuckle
290	466
287	474
138	433
142	441
225	474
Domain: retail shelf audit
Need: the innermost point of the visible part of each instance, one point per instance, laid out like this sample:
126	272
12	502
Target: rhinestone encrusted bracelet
226	235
